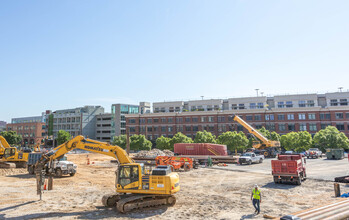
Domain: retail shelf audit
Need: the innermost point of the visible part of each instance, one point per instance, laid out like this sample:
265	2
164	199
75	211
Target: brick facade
32	133
282	121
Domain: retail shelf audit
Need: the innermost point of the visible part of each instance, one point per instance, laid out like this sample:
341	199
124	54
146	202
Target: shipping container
200	149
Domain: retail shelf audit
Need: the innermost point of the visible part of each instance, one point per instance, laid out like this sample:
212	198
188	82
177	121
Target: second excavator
134	189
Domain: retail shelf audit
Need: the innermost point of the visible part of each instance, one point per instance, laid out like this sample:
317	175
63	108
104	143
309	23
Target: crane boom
265	141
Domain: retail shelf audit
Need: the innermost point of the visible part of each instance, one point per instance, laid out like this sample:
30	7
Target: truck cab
250	157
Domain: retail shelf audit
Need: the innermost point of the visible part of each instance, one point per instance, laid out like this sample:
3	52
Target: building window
291	127
259	126
270	127
195	128
170	129
203	119
343	102
334	102
195	119
257	117
179	120
210	119
187	119
240	128
269	117
301	116
234	106
310	103
163	120
170	120
281	105
323	126
149	120
156	120
281	117
249	117
132	129
339	116
163	128
282	127
312	127
260	105
221	118
132	121
301	103
289	104
303	127
290	116
187	128
241	106
253	106
340	127
324	116
311	116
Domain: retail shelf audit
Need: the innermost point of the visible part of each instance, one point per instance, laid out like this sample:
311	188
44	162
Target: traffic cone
45	185
88	161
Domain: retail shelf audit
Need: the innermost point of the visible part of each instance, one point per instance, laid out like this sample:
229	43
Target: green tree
330	137
273	136
120	141
179	138
164	143
296	141
139	142
233	140
63	136
11	137
204	137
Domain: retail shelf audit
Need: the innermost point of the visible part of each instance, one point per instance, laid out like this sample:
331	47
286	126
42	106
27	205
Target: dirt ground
205	194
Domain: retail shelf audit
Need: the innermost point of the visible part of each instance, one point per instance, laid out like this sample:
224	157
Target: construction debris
153	153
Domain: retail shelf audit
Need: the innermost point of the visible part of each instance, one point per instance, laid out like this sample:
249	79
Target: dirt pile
153	153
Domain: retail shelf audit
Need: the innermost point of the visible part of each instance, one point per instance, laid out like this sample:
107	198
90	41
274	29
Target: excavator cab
9	152
129	176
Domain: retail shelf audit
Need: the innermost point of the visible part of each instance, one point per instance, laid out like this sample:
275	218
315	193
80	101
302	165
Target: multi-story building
77	121
119	111
104	127
2	126
32	129
283	114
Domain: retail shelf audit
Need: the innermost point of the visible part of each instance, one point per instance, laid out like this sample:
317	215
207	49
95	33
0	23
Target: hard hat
255	186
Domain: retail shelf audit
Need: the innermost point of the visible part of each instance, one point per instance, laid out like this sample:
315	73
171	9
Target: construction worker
256	198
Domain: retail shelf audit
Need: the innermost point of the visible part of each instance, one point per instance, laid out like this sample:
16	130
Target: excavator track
133	202
110	200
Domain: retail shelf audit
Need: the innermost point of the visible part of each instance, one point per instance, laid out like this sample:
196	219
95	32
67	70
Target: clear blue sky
64	54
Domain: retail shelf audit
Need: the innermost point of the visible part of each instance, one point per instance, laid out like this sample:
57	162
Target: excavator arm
80	142
265	141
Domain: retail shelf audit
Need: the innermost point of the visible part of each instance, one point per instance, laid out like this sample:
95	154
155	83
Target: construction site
196	181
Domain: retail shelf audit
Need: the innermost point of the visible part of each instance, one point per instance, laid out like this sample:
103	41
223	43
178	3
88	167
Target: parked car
289	152
249	158
314	153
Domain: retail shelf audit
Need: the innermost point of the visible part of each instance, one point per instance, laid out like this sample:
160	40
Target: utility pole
256	91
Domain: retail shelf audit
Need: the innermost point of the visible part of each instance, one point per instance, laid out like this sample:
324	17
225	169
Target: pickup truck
60	167
313	153
249	158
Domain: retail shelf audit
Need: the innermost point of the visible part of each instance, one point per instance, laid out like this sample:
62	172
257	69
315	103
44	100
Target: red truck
289	168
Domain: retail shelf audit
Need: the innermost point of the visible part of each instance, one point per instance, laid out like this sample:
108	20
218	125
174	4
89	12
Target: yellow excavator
265	146
134	188
12	157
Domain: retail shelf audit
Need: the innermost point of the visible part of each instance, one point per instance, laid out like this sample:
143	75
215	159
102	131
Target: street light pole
257	91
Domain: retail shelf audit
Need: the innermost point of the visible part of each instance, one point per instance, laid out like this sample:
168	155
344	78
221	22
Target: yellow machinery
11	155
134	189
268	147
3	146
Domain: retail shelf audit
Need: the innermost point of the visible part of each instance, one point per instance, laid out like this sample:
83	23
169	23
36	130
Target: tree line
300	141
